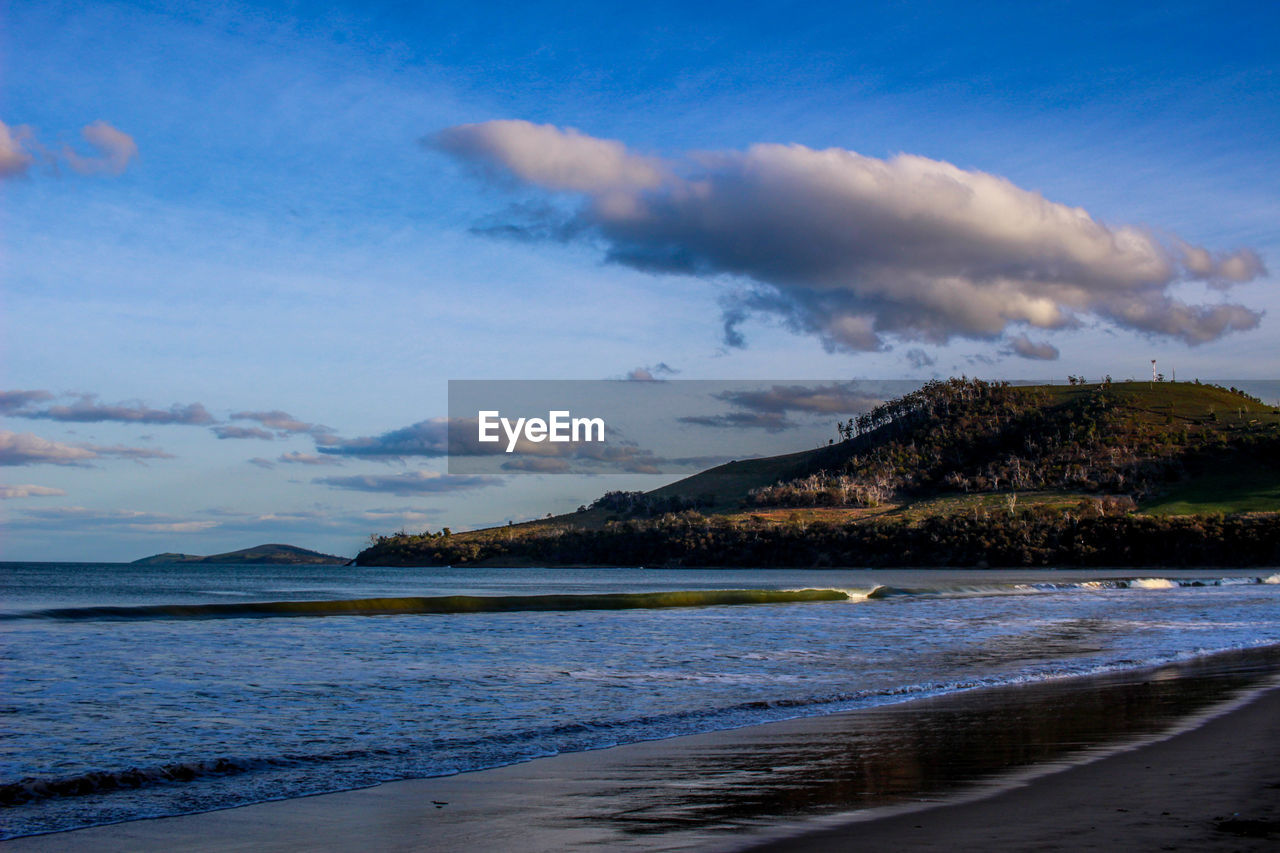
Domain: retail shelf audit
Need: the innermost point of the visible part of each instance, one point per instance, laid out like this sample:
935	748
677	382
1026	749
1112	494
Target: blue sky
283	241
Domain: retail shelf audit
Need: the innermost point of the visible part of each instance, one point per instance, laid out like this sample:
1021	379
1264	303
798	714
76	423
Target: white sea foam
1152	583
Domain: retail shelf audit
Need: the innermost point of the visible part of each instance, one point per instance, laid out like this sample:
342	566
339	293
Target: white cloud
114	149
283	422
296	457
87	409
76	518
14	158
855	249
411	483
551	157
24	448
225	431
28	491
175	526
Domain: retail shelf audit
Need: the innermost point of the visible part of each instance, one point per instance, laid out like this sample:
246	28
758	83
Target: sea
140	691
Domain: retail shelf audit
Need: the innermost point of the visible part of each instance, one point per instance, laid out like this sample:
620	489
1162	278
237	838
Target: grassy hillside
1242	484
959	449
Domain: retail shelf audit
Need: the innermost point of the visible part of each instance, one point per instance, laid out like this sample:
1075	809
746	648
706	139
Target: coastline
1213	786
808	783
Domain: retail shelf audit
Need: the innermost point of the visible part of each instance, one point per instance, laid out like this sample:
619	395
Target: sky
239	239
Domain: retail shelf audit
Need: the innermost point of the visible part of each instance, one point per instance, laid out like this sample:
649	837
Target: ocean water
133	691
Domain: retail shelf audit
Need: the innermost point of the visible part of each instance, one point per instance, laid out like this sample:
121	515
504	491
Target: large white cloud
855	249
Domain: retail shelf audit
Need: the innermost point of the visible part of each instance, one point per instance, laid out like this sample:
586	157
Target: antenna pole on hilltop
1153	370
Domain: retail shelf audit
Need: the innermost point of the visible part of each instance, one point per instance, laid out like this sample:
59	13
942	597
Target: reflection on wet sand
911	752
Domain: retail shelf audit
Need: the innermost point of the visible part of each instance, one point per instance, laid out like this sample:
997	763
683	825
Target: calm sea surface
133	691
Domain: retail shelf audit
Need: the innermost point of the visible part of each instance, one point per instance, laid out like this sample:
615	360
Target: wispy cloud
225	431
229	524
856	249
112	151
28	491
767	421
429	438
769	408
17	401
651	373
24	448
14	158
838	398
298	458
411	483
541	465
81	518
282	422
919	359
551	157
87	409
458	438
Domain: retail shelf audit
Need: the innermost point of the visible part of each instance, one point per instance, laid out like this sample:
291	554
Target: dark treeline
644	505
1092	535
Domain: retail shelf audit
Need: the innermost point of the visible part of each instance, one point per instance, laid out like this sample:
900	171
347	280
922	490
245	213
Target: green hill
258	555
990	453
1134	438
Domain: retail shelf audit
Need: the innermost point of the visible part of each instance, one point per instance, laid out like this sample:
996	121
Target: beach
1183	756
1214	787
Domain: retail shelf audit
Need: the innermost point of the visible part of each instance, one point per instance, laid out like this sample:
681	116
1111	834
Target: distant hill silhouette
272	554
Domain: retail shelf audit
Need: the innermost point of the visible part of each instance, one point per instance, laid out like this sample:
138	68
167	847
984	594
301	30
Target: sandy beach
1214	787
1085	763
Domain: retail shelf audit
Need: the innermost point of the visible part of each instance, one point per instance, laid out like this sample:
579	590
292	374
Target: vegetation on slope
959	472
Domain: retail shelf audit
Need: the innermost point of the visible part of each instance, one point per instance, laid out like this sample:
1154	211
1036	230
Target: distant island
259	555
962	473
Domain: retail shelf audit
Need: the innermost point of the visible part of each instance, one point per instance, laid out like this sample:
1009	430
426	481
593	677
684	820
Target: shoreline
1212	785
778	784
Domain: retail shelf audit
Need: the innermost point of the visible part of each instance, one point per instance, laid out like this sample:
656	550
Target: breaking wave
444	604
461	604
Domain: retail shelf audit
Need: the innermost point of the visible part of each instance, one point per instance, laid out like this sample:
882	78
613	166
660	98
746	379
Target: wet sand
1057	765
1213	788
